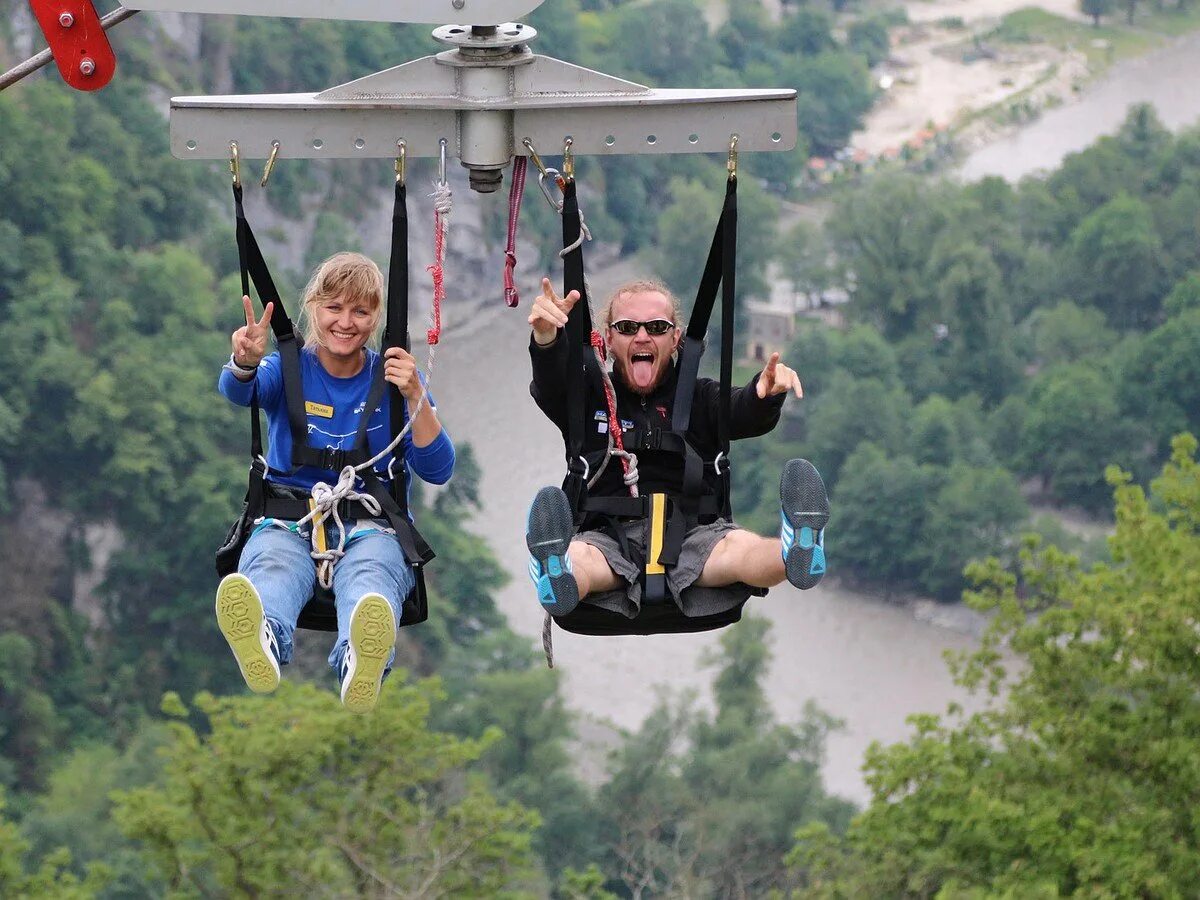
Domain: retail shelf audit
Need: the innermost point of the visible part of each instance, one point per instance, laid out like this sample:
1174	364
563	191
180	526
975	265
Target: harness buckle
651	439
333	459
573	470
717	462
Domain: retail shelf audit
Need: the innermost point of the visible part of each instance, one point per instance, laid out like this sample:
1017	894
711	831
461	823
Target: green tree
1161	383
51	880
881	501
1069	333
978	351
806	31
685	231
1096	9
1072	430
851	411
286	793
869	37
885	234
1118	260
975	514
1079	780
833	94
702	805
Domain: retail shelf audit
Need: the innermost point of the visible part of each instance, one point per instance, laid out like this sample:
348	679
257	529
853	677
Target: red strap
438	270
614	424
516	189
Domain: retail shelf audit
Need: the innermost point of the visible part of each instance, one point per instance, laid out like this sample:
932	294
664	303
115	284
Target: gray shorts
691	599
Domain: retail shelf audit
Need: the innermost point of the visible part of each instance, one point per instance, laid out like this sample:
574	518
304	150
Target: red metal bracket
81	49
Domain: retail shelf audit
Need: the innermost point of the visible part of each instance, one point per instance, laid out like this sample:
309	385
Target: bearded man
719	563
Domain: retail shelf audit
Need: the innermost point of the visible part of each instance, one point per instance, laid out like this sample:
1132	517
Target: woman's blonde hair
350	277
641	285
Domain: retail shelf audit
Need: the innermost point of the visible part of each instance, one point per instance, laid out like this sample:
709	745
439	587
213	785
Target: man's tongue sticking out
641	370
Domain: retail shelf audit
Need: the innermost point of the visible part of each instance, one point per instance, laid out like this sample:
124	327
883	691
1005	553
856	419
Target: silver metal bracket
484	98
428	12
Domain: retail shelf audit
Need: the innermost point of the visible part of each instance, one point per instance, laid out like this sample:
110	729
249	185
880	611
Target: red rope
516	189
438	270
614	424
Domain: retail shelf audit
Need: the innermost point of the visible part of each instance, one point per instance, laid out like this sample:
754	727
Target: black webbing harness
668	518
265	500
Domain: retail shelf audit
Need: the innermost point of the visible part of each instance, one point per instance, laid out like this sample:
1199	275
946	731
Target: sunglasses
654	328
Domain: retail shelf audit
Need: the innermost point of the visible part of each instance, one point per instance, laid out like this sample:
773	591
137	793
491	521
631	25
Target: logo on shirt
601	418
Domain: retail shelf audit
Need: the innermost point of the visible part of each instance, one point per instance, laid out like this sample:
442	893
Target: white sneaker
372	639
242	620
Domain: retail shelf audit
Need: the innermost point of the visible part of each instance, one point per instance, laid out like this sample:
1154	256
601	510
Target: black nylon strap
718	271
254	266
578	336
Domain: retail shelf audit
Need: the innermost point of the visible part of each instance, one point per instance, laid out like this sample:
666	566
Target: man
718	561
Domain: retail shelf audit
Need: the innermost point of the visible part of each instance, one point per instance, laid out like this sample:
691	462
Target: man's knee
591	568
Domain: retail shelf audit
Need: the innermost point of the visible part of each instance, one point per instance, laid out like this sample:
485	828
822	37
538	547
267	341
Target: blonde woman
341	312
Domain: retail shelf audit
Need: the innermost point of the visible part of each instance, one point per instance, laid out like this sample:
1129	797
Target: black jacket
659	470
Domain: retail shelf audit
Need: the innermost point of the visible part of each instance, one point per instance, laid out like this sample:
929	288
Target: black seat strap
580	362
287	341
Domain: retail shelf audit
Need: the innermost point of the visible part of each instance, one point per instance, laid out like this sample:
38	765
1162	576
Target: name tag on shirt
318	409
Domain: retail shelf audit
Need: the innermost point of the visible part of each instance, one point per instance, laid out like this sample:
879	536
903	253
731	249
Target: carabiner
732	165
401	160
545	172
568	159
441	161
235	164
270	163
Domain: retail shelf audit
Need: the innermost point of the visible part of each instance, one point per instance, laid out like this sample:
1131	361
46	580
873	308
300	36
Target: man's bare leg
744	556
592	572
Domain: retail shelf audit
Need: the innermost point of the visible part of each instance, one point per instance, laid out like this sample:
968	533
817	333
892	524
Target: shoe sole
373	636
240	617
549	520
805	509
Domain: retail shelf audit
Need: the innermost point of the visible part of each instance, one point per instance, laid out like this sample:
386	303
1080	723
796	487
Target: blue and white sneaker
372	640
548	532
242	620
804	510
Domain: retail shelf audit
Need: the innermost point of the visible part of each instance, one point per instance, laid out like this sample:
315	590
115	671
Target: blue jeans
279	564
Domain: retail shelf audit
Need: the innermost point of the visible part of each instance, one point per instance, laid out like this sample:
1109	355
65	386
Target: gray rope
548	640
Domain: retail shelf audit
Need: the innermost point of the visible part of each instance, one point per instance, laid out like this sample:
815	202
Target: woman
341	312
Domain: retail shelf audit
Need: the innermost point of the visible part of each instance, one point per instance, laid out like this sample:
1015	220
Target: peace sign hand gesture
250	341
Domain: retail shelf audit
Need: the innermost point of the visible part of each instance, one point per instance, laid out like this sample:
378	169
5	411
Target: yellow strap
658	527
318	524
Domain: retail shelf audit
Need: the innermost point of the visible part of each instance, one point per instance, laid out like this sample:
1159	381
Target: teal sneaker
548	532
804	510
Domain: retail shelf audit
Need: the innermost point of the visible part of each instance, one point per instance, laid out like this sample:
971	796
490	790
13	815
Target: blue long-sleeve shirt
333	407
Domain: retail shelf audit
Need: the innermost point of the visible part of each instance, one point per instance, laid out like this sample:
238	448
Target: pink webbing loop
438	270
516	190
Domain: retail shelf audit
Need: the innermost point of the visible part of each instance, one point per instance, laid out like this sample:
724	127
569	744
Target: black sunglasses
654	327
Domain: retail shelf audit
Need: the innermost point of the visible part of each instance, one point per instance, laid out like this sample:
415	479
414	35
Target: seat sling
265	500
667	518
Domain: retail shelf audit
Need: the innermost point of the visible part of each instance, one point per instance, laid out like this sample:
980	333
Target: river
1166	78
